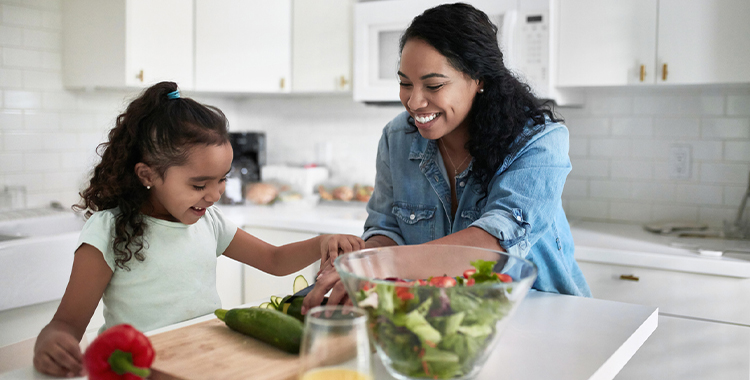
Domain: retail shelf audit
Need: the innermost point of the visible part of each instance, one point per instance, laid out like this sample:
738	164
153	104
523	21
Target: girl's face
185	191
435	94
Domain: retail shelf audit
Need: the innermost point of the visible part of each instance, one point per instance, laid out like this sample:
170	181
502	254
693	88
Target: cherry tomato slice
443	281
469	272
504	277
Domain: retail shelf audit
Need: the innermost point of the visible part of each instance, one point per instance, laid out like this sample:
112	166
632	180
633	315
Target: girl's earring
481	91
148	187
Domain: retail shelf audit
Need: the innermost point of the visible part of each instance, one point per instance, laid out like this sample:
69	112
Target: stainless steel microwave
523	34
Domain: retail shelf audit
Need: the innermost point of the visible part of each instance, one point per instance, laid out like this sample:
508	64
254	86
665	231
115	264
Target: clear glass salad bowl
435	311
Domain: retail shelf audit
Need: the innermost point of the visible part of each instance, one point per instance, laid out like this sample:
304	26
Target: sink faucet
739	226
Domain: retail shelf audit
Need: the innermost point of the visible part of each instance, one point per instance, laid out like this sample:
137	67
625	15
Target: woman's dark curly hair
160	132
468	40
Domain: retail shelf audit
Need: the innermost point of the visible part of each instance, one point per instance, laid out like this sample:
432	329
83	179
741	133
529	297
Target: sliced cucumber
265	305
299	283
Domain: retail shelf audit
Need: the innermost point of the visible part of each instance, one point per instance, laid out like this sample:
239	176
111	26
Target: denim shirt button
462	184
412	216
518	218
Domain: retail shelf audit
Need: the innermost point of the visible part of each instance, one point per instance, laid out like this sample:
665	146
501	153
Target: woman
475	160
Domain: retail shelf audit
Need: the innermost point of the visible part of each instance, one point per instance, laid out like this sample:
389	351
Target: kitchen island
551	336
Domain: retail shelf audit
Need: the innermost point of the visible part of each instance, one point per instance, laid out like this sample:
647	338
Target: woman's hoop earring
481	91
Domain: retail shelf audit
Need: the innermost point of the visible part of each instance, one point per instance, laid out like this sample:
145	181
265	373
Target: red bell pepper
120	352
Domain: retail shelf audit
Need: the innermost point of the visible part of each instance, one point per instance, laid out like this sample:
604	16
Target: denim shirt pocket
417	222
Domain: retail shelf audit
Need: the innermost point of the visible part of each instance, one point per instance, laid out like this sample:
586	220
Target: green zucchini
267	325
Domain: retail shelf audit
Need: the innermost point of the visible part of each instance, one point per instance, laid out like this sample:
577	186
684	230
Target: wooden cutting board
211	350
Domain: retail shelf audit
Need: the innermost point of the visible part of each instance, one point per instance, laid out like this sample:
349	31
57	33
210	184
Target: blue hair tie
174	94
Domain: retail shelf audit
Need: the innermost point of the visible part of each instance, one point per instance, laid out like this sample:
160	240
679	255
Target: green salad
441	328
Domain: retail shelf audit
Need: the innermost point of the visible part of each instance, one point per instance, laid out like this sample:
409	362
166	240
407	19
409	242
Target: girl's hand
333	245
57	353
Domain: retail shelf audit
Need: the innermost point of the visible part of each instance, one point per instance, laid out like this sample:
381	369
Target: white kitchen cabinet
259	285
704	323
243	46
665	42
322	46
127	43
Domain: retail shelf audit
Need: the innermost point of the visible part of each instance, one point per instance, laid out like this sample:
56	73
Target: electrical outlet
679	161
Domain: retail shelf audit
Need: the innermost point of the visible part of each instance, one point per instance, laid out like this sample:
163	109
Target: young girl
149	247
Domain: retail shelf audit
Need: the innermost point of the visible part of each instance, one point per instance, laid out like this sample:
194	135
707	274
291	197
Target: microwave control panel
532	55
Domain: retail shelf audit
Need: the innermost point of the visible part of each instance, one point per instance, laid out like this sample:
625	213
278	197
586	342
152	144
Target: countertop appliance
249	156
524	35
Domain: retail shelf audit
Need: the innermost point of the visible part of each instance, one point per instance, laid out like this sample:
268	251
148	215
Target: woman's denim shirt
411	203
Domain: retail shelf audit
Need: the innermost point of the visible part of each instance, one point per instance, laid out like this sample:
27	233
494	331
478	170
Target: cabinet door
687	349
260	285
243	45
159	42
703	41
322	46
606	42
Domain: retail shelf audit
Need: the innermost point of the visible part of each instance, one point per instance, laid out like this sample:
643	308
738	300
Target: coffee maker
249	156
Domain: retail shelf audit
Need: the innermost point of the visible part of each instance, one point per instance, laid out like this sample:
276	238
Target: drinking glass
335	345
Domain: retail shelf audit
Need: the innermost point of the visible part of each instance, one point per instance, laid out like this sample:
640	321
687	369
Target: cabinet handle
643	72
664	72
282	83
139	76
629	277
343	82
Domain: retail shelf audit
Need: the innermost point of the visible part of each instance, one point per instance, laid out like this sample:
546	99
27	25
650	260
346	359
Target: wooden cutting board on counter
211	350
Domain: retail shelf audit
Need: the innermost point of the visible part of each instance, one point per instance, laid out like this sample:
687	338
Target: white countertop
551	336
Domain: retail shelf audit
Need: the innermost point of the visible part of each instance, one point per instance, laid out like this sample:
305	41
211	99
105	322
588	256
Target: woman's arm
288	258
56	351
471	236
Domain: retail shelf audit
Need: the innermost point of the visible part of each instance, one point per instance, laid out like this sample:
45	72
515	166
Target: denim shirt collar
426	150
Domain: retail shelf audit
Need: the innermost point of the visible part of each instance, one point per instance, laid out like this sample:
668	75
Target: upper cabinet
615	43
243	46
322	46
127	43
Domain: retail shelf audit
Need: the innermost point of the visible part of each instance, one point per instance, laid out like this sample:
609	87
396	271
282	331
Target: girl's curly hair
507	109
159	131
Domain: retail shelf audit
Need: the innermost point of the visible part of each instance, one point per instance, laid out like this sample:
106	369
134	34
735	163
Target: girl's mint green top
411	203
176	281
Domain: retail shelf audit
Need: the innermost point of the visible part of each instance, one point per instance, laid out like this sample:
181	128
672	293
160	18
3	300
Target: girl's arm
56	351
289	258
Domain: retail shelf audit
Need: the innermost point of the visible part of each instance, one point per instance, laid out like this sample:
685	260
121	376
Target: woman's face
435	94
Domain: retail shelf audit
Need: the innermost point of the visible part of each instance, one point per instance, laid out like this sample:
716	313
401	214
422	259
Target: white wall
619	140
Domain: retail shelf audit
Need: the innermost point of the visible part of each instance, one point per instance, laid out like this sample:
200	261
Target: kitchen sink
36	256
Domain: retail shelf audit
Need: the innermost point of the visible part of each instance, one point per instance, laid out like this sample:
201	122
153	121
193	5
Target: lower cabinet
704	321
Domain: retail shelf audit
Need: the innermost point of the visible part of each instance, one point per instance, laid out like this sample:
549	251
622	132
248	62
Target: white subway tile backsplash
666	212
632	126
738	105
42	39
22	99
630	169
21	58
20	16
649	148
699	194
44	162
677	105
724	173
588	126
610	105
589	168
78	160
733	195
725	128
90	140
76	121
737	151
11	120
60	141
52	20
677	127
716	216
22	141
652	191
59	100
610	189
712	104
579	147
629	211
34	120
44	80
610	148
10	78
587	209
60	180
11	162
11	36
707	150
577	188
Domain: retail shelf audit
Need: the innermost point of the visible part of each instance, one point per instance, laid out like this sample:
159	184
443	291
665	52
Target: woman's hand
333	245
56	353
327	280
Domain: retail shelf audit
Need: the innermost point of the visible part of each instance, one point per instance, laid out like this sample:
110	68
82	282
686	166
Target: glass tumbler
335	344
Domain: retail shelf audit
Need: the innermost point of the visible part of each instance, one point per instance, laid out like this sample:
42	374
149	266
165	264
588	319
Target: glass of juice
335	344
